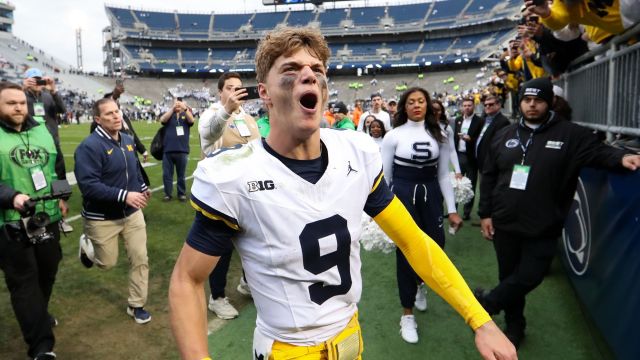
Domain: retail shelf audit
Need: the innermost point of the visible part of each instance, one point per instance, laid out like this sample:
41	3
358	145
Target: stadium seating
194	22
267	21
229	22
368	15
157	20
408	13
349	45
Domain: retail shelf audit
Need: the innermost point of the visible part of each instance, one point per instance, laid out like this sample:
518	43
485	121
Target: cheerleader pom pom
462	190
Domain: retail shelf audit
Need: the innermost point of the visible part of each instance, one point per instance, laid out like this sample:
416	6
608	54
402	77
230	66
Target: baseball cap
340	107
32	73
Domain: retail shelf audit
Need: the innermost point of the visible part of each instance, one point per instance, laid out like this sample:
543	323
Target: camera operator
29	253
45	105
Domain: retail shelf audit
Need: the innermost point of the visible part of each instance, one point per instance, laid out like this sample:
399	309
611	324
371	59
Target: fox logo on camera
29	156
261	185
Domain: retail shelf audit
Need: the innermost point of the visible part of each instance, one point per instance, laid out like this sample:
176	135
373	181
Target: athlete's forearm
188	312
431	263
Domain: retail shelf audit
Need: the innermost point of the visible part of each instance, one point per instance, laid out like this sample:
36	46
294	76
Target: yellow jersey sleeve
431	263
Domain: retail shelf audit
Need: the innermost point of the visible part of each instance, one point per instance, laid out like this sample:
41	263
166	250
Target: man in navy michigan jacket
113	194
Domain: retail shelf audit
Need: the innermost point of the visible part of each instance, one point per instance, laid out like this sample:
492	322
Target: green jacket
345	123
23	154
263	126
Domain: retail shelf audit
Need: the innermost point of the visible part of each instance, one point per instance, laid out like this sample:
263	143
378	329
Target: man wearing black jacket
467	129
492	122
528	182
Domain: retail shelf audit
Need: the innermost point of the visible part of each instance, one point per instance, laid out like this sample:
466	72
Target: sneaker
139	314
243	287
409	329
45	356
182	198
421	298
166	198
222	308
65	227
86	253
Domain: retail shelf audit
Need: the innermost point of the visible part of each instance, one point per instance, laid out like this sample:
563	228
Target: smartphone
179	98
41	82
119	82
533	19
539	2
252	93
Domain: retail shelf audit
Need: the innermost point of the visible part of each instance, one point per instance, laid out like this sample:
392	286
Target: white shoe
243	287
421	298
222	308
409	329
86	253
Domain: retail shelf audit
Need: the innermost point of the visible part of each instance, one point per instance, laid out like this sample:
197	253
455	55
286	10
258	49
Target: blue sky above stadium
50	25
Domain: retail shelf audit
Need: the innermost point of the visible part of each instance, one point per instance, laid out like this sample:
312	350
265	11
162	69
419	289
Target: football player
291	205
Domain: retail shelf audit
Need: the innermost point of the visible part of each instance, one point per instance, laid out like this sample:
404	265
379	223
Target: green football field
90	303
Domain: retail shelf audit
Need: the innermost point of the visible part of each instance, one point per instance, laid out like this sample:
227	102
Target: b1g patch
31	156
512	143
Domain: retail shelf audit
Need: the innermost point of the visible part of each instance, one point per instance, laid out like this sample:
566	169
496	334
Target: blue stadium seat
224	54
194	22
408	13
229	22
195	54
133	50
446	9
157	20
367	16
435	45
481	6
267	21
300	18
469	41
331	18
164	53
123	16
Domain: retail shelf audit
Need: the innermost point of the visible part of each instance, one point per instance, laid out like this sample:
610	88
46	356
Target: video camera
34	224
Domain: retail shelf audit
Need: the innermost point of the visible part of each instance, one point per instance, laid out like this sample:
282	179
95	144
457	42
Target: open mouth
309	101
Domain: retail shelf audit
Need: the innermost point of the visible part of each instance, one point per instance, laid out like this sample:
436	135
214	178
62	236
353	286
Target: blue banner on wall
601	243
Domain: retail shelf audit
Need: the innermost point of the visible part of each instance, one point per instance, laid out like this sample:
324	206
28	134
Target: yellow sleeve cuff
431	263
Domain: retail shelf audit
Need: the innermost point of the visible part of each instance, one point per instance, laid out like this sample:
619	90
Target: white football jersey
298	241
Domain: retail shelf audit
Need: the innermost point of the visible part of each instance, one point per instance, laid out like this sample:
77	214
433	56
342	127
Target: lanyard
524	147
30	154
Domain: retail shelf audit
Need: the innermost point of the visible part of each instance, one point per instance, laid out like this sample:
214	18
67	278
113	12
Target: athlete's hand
234	101
493	344
136	200
19	200
455	221
487	230
631	162
458	176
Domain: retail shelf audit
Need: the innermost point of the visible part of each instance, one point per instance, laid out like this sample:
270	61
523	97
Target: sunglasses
489	104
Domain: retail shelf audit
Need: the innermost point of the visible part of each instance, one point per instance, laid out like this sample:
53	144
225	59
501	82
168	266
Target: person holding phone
178	121
225	124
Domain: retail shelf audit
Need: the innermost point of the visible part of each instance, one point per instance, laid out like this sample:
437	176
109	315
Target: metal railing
605	94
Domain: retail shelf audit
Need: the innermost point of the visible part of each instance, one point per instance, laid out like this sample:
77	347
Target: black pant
522	265
470	170
424	202
30	272
218	277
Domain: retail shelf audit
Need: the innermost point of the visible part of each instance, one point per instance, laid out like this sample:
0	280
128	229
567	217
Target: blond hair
286	41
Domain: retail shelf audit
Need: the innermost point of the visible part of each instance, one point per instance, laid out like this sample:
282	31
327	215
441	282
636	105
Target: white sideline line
76	217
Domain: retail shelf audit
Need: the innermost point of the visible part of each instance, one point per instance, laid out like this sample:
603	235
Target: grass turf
90	304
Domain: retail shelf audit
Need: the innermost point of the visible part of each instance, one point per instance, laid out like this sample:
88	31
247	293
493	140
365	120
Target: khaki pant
105	234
